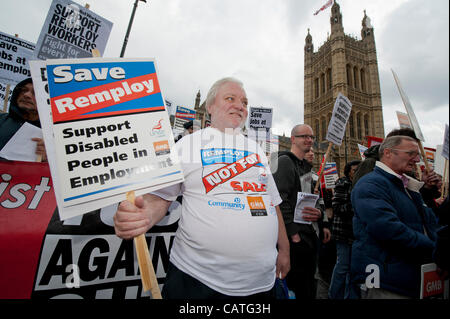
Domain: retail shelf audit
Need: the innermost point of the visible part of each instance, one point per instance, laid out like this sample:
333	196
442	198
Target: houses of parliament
344	65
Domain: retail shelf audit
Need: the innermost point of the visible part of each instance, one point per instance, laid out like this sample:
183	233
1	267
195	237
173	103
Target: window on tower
358	125
316	87
363	80
351	125
366	124
322	83
349	75
329	79
355	77
324	128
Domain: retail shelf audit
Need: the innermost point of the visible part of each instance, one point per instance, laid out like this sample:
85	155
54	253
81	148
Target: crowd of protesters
382	213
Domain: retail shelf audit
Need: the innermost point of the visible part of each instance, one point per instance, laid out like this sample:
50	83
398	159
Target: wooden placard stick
95	53
5	102
316	188
148	277
444	188
424	157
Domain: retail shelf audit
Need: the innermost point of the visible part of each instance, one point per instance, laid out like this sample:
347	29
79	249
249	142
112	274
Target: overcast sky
260	42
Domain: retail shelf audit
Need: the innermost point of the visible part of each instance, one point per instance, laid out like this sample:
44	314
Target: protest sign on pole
182	115
412	119
14	56
373	140
445	146
260	119
330	175
362	149
444	153
103	148
338	121
336	128
71	31
403	120
111	132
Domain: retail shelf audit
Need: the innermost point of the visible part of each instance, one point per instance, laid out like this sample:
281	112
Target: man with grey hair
394	232
231	240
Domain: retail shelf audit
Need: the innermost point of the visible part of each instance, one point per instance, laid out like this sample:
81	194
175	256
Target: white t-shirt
228	230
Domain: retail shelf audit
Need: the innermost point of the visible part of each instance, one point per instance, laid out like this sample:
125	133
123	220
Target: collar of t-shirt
408	182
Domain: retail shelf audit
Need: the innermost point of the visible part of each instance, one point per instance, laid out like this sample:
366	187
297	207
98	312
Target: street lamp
125	41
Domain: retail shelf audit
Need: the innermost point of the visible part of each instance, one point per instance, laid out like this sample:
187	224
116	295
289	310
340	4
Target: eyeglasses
411	154
306	136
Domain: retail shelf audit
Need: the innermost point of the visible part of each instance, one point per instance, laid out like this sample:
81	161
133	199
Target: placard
111	131
445	145
409	109
260	118
14	56
338	122
403	120
71	31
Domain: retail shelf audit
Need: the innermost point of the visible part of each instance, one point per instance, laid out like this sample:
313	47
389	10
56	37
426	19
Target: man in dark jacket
22	108
289	175
432	181
394	232
342	232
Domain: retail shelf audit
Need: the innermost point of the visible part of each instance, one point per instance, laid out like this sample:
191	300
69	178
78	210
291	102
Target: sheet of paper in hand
304	200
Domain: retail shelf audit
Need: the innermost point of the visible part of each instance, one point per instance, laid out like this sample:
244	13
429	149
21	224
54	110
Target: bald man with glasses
292	174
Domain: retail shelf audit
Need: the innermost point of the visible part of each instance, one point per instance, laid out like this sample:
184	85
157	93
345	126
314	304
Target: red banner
42	257
27	203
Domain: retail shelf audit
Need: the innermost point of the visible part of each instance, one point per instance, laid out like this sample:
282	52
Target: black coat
287	178
12	121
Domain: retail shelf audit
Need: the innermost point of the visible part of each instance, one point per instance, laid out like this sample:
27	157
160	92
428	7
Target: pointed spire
367	28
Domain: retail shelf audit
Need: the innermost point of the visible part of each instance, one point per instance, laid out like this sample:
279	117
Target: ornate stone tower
200	110
347	65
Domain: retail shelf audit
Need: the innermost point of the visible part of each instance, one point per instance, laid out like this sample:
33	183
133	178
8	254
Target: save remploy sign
111	131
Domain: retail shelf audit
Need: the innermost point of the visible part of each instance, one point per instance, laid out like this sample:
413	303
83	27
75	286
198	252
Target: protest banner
373	140
412	119
330	175
182	115
403	120
336	128
260	119
362	149
100	110
78	258
196	125
169	107
71	31
109	112
432	284
444	153
430	155
14	56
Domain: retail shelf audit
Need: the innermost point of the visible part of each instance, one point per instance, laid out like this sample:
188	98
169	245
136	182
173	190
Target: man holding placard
231	226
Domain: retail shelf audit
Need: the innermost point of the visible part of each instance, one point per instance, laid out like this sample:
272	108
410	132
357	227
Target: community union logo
235	205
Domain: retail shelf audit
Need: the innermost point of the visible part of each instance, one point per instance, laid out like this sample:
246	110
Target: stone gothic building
347	65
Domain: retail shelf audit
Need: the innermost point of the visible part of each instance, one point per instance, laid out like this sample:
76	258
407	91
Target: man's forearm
159	207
